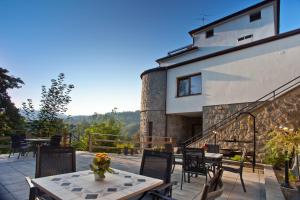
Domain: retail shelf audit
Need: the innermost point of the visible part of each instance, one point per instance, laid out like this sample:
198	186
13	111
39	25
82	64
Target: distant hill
131	120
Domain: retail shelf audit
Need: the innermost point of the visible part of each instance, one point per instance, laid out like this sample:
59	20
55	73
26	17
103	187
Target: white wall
227	33
241	76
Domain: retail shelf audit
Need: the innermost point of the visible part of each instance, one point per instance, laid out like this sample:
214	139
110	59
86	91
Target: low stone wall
283	111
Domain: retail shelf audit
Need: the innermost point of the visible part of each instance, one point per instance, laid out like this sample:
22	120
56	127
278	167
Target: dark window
189	85
255	16
241	38
248	36
245	37
210	33
150	129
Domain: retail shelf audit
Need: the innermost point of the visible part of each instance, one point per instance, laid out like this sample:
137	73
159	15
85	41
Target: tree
54	102
10	117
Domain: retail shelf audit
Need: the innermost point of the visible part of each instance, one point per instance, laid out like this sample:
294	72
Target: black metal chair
158	165
213	148
52	161
193	163
238	170
55	140
18	144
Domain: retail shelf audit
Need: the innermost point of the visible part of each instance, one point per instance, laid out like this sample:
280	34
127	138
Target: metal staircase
211	131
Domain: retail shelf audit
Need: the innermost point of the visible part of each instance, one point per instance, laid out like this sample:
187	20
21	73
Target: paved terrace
14	187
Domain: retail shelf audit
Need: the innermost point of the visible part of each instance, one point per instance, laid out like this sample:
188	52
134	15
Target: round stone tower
153	102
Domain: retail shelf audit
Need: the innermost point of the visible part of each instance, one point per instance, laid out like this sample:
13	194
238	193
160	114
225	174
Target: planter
290	193
99	177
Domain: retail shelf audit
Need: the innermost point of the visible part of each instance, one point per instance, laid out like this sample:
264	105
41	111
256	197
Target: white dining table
81	185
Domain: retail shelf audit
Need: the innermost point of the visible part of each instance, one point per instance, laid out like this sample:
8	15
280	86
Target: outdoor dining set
23	145
56	177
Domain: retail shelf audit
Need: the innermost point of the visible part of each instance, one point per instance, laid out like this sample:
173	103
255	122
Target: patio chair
176	161
55	140
238	170
213	148
158	165
18	144
52	161
205	194
193	164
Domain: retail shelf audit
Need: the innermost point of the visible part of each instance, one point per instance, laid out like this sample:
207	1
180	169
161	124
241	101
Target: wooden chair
238	170
52	161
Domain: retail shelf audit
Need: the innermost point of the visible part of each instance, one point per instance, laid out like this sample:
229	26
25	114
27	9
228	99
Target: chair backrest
213	148
194	160
216	181
55	160
15	140
55	140
157	164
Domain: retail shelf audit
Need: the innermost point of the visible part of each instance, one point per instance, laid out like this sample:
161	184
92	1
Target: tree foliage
54	102
283	143
10	119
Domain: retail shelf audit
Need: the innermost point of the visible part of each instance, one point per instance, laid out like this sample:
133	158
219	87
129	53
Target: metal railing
250	107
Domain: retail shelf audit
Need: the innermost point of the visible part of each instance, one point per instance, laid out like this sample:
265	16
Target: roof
226	51
177	54
258	5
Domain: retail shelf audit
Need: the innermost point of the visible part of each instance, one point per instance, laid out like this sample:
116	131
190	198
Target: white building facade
232	61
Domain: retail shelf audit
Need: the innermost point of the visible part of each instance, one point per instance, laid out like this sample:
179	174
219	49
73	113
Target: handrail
251	106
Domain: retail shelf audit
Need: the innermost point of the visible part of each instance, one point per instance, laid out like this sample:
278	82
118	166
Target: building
231	62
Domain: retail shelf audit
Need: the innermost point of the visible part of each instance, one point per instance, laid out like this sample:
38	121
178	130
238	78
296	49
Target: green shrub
236	158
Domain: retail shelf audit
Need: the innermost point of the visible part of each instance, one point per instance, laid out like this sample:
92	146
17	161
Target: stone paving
14	187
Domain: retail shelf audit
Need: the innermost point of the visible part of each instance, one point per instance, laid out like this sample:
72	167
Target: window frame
209	33
255	16
189	77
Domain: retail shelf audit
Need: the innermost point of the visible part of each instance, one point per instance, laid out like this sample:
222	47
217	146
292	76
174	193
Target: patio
13	172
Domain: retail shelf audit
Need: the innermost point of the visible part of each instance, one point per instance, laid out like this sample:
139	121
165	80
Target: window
150	129
245	37
189	85
255	16
210	33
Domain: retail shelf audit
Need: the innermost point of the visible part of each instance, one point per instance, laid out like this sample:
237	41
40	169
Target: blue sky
103	45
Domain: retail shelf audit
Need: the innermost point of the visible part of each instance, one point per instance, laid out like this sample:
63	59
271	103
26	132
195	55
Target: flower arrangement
100	165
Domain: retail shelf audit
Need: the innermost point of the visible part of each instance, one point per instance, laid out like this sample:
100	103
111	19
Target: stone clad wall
153	103
216	113
180	127
283	111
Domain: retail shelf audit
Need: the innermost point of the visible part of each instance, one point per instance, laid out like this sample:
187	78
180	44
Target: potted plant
101	165
283	144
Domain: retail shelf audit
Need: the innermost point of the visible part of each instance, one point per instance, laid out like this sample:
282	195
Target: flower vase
99	177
